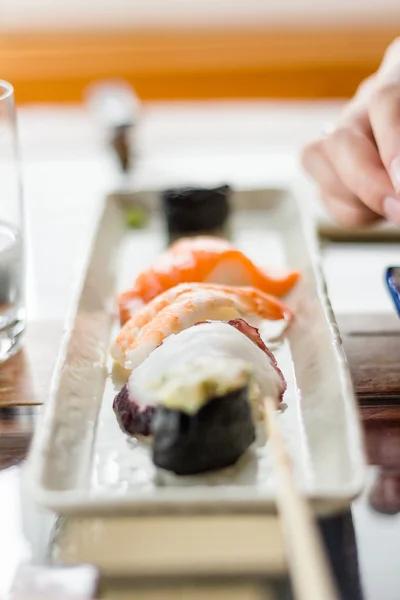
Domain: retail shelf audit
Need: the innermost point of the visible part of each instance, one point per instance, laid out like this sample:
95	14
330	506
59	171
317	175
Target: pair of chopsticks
309	569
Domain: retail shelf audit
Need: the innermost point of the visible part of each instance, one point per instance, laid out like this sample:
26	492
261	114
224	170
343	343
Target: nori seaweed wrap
206	422
213	438
195	210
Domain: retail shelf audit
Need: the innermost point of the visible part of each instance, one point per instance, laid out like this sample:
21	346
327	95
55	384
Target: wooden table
66	173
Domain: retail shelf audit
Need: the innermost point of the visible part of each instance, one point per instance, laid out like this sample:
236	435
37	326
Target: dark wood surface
16	428
372	344
25	378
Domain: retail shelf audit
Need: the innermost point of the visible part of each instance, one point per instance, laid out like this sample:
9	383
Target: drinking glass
12	277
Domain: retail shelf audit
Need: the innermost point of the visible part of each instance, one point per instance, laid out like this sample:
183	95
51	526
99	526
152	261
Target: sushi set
196	305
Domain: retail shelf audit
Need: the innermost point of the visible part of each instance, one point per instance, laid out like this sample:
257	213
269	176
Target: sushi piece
214	340
203	418
183	306
193	210
200	259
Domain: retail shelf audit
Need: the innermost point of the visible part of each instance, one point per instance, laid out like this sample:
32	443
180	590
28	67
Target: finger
344	206
348	215
384	115
357	106
317	164
358	164
391	56
356	117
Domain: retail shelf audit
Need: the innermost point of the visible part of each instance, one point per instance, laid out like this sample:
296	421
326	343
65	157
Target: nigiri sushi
183	306
215	341
205	259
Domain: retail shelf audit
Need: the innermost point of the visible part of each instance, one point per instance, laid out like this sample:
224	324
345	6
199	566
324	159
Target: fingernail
395	173
391	207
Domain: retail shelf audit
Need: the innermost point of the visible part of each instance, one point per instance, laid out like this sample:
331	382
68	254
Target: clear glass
12	272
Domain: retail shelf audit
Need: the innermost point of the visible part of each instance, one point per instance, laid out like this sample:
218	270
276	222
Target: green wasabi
136	218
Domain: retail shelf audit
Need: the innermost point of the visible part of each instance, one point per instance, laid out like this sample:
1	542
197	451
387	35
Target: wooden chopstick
309	569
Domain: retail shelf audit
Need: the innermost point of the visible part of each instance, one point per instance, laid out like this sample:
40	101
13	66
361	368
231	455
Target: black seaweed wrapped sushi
203	420
195	210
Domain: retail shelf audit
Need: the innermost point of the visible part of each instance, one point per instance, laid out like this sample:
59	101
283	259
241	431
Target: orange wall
286	63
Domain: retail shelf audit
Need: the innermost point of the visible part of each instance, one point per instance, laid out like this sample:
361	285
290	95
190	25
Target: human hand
357	165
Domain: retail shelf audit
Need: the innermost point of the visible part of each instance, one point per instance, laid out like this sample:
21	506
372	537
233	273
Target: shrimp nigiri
200	259
183	306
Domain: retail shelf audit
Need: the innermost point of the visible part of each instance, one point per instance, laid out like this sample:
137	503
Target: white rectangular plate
82	462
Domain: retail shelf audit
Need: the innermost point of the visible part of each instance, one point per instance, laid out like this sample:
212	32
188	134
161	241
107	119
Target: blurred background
194	49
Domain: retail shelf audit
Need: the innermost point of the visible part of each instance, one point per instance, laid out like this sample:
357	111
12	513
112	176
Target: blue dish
393	284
